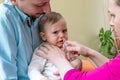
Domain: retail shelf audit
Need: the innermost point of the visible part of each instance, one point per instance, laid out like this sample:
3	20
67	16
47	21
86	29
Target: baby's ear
42	35
13	2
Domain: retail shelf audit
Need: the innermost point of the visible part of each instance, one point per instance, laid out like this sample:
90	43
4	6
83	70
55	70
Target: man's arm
8	50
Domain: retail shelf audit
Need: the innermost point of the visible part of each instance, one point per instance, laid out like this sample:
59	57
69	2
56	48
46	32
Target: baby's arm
77	63
36	67
45	78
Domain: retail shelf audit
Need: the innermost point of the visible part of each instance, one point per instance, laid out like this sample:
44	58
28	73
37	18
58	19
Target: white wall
84	18
1	1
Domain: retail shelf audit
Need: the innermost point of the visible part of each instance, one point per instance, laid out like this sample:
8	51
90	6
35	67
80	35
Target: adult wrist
64	67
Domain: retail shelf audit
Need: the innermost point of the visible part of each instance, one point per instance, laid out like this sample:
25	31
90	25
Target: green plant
106	43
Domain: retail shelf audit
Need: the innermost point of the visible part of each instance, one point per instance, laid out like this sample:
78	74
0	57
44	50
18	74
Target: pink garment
109	71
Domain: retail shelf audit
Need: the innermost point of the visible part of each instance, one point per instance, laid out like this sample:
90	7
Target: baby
53	30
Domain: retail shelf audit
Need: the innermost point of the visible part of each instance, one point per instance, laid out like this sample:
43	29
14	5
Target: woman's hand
76	48
51	52
57	57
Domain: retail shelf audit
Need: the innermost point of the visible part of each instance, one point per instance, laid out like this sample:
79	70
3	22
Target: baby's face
56	33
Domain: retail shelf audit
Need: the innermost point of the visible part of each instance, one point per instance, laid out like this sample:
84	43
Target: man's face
114	11
33	8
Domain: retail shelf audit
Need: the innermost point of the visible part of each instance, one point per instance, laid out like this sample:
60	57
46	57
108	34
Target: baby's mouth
61	41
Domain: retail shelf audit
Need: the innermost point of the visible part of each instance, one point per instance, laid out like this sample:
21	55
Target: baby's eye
55	32
64	31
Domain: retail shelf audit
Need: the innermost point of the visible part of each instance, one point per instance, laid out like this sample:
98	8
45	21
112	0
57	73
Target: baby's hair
51	18
117	2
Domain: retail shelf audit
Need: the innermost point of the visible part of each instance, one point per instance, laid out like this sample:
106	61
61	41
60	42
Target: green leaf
106	42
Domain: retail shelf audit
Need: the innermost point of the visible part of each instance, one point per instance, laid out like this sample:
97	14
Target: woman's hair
117	2
51	18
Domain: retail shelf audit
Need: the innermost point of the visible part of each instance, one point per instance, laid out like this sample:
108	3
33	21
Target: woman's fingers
43	51
72	43
41	54
47	46
50	51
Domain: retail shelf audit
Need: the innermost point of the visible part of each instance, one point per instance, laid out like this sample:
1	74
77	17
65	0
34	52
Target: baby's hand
45	78
57	74
77	63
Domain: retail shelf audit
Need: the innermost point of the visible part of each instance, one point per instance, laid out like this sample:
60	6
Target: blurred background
84	19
